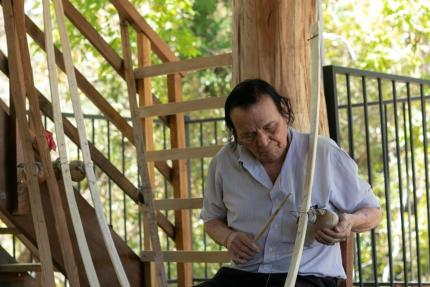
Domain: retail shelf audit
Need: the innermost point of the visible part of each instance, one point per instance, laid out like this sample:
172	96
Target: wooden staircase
172	114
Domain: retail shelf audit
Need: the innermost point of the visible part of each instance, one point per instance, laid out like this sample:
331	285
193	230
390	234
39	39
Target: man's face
262	130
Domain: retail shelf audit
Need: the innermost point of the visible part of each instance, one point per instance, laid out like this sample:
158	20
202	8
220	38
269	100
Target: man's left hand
340	232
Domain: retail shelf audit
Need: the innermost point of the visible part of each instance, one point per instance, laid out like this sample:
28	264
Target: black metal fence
382	121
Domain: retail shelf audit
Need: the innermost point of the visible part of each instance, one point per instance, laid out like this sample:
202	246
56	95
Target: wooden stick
146	188
62	150
271	218
89	166
313	141
18	93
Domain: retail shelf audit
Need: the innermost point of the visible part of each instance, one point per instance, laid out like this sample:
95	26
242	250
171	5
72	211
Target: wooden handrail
184	65
88	89
93	36
182	107
129	12
98	158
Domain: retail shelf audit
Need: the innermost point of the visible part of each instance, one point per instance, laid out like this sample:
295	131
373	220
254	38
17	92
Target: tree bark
271	42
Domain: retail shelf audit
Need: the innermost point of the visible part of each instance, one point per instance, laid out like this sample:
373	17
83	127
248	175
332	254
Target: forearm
365	219
218	230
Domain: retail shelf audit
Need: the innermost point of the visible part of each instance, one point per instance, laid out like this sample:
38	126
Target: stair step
9	230
20	267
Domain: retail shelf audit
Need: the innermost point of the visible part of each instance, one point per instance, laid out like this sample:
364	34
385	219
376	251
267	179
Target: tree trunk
271	42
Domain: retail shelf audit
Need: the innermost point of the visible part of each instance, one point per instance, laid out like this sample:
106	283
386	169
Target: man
249	178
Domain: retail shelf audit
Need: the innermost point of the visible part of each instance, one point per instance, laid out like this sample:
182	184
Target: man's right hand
241	247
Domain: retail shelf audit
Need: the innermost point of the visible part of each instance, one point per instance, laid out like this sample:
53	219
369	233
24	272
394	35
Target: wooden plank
44	152
189	256
145	99
182	107
347	250
146	189
20	267
102	162
84	85
178	203
184	66
93	36
312	149
129	12
8	152
17	85
14	279
86	155
180	181
88	89
183	153
62	151
9	230
4	106
105	271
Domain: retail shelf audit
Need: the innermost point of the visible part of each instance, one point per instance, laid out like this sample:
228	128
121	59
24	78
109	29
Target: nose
262	139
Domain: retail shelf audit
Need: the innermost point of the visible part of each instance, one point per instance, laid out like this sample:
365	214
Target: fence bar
399	176
426	166
369	171
414	186
384	136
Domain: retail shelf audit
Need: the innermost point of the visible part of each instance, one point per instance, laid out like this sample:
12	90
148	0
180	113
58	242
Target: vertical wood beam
347	248
8	149
145	99
180	181
146	188
18	92
271	42
36	120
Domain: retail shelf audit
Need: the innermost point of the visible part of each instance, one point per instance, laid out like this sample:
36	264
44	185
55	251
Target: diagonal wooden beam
100	44
18	92
93	36
98	157
129	12
88	89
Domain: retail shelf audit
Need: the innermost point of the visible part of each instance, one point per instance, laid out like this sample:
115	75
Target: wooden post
59	214
145	99
18	91
146	188
271	42
180	181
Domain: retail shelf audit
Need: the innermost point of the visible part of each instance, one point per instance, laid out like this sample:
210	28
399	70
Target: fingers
241	247
328	237
338	233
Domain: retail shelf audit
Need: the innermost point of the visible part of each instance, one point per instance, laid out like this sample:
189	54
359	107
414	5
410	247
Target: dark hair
248	93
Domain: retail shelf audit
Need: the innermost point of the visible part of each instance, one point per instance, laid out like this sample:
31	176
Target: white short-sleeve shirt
240	192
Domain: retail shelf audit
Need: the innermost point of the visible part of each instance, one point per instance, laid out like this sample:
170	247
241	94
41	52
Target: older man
251	176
